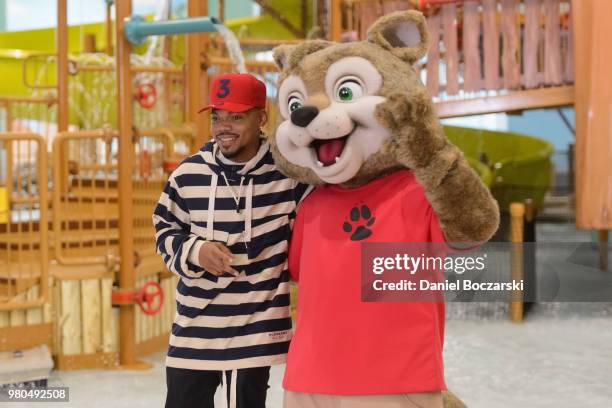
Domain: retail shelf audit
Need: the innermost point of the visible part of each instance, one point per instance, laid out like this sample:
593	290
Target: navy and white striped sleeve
301	191
173	239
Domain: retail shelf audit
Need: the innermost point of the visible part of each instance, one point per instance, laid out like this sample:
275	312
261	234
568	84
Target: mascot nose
303	116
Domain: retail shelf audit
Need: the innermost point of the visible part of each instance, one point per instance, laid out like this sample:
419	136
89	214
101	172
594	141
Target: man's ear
403	33
263	118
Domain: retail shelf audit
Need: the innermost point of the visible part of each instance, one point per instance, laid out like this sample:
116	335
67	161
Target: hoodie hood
227	176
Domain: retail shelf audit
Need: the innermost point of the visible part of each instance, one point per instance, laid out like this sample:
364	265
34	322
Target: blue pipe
137	29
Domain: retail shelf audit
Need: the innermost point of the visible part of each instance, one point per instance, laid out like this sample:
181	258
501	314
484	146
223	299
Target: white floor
561	357
545	362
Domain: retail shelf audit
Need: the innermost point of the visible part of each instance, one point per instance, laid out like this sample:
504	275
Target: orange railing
520	51
23	223
158	91
85	193
37	114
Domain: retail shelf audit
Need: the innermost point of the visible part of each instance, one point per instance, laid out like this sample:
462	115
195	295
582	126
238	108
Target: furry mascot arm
465	207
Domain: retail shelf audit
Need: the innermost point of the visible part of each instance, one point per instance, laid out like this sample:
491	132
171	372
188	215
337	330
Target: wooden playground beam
127	277
62	65
321	17
108	28
61	39
304	16
26	336
221	10
335	31
196	87
512	101
592	65
517	215
281	19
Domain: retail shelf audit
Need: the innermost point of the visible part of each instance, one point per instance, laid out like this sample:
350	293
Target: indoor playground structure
90	131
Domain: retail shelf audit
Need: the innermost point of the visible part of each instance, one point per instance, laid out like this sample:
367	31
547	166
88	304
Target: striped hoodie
227	322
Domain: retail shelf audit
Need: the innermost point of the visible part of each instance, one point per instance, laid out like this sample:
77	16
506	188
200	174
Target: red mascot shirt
341	345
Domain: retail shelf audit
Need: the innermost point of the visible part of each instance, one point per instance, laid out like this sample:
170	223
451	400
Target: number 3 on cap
224	91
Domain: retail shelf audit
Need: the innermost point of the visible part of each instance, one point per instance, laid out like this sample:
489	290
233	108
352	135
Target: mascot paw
364	219
411	119
395	111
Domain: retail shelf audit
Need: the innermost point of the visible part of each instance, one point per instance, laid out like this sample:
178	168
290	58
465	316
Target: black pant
196	388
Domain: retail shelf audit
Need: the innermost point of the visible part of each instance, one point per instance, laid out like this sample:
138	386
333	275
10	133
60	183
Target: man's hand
215	258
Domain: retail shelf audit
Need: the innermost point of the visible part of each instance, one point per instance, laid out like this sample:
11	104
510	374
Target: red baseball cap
236	93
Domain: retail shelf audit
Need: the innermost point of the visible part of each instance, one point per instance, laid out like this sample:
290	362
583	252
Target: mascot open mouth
329	150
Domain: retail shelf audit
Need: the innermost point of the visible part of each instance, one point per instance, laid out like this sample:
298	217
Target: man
222	224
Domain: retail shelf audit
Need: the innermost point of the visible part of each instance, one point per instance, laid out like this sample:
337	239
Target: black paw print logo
362	231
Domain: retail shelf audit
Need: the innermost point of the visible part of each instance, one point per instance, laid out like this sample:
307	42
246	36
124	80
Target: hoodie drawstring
248	216
211	208
233	381
231	398
248	211
234	196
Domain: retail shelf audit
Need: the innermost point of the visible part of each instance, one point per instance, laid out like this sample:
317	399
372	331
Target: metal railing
23	220
85	193
36	114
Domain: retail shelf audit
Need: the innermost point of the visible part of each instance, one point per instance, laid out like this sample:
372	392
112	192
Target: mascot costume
358	124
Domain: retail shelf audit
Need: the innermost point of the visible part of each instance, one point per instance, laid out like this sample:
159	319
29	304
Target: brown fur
379	33
450	400
296	172
465	207
417	141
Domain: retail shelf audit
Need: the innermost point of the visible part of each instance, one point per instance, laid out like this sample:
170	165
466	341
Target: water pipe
137	29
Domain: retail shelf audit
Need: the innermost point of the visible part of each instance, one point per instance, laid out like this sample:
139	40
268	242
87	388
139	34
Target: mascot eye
349	90
294	103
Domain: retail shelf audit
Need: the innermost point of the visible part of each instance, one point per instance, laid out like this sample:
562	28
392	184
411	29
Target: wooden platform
508	102
26	336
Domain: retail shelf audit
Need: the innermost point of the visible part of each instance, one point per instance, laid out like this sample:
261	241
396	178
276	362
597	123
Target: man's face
237	133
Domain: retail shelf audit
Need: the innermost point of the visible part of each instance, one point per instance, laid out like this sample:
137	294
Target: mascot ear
403	33
281	55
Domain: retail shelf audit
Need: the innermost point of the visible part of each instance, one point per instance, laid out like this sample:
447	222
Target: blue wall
233	8
546	124
2	15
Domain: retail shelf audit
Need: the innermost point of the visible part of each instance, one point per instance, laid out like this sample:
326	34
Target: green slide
514	166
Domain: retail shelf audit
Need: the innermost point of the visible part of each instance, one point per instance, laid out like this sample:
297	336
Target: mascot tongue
328	150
